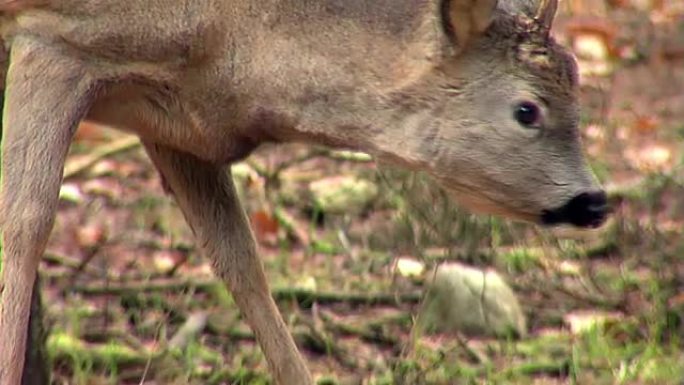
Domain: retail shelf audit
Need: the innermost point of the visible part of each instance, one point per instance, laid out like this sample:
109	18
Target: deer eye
528	114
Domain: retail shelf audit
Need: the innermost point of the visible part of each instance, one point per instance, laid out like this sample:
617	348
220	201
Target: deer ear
543	11
546	13
469	18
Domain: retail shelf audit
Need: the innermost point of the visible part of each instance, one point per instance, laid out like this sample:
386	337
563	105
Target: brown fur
428	84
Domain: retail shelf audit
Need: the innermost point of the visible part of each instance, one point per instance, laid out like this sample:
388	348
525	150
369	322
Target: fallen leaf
90	235
646	124
265	225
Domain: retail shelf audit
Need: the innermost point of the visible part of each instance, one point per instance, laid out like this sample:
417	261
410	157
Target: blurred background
382	279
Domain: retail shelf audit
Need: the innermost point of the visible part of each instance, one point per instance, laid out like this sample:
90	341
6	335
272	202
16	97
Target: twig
132	287
367	332
351	156
311	154
589	298
307	297
340	155
79	165
559	368
72	263
193	325
104	335
319	340
291	226
348	156
303	297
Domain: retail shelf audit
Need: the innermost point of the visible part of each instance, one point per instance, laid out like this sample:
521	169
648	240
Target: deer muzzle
588	209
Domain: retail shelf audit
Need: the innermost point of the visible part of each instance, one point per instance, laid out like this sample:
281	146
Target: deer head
496	121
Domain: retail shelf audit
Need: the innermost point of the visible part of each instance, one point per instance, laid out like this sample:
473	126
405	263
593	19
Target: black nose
588	209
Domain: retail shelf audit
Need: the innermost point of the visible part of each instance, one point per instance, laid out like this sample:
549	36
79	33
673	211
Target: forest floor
130	300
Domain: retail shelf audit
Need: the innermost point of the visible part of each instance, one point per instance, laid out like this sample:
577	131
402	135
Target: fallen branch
559	368
307	297
370	332
78	165
192	326
319	340
64	347
317	152
303	297
132	287
74	264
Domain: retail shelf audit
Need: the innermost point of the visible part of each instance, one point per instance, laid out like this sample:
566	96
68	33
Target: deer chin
482	204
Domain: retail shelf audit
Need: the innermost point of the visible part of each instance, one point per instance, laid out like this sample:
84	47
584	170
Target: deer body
215	78
432	85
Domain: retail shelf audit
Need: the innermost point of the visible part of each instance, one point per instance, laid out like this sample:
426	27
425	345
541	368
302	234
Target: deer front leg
46	95
207	197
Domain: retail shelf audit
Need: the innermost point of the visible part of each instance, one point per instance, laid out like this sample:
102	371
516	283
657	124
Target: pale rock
463	299
71	192
343	194
306	283
409	267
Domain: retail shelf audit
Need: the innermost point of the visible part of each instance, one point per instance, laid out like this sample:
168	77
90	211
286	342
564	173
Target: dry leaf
265	226
90	235
646	124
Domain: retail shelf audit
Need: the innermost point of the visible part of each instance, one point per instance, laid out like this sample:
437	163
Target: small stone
70	192
306	283
409	267
343	194
463	299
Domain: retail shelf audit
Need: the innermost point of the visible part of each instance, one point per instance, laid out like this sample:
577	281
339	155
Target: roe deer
475	92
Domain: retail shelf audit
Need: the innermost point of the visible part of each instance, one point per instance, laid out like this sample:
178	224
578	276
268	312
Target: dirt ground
124	285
